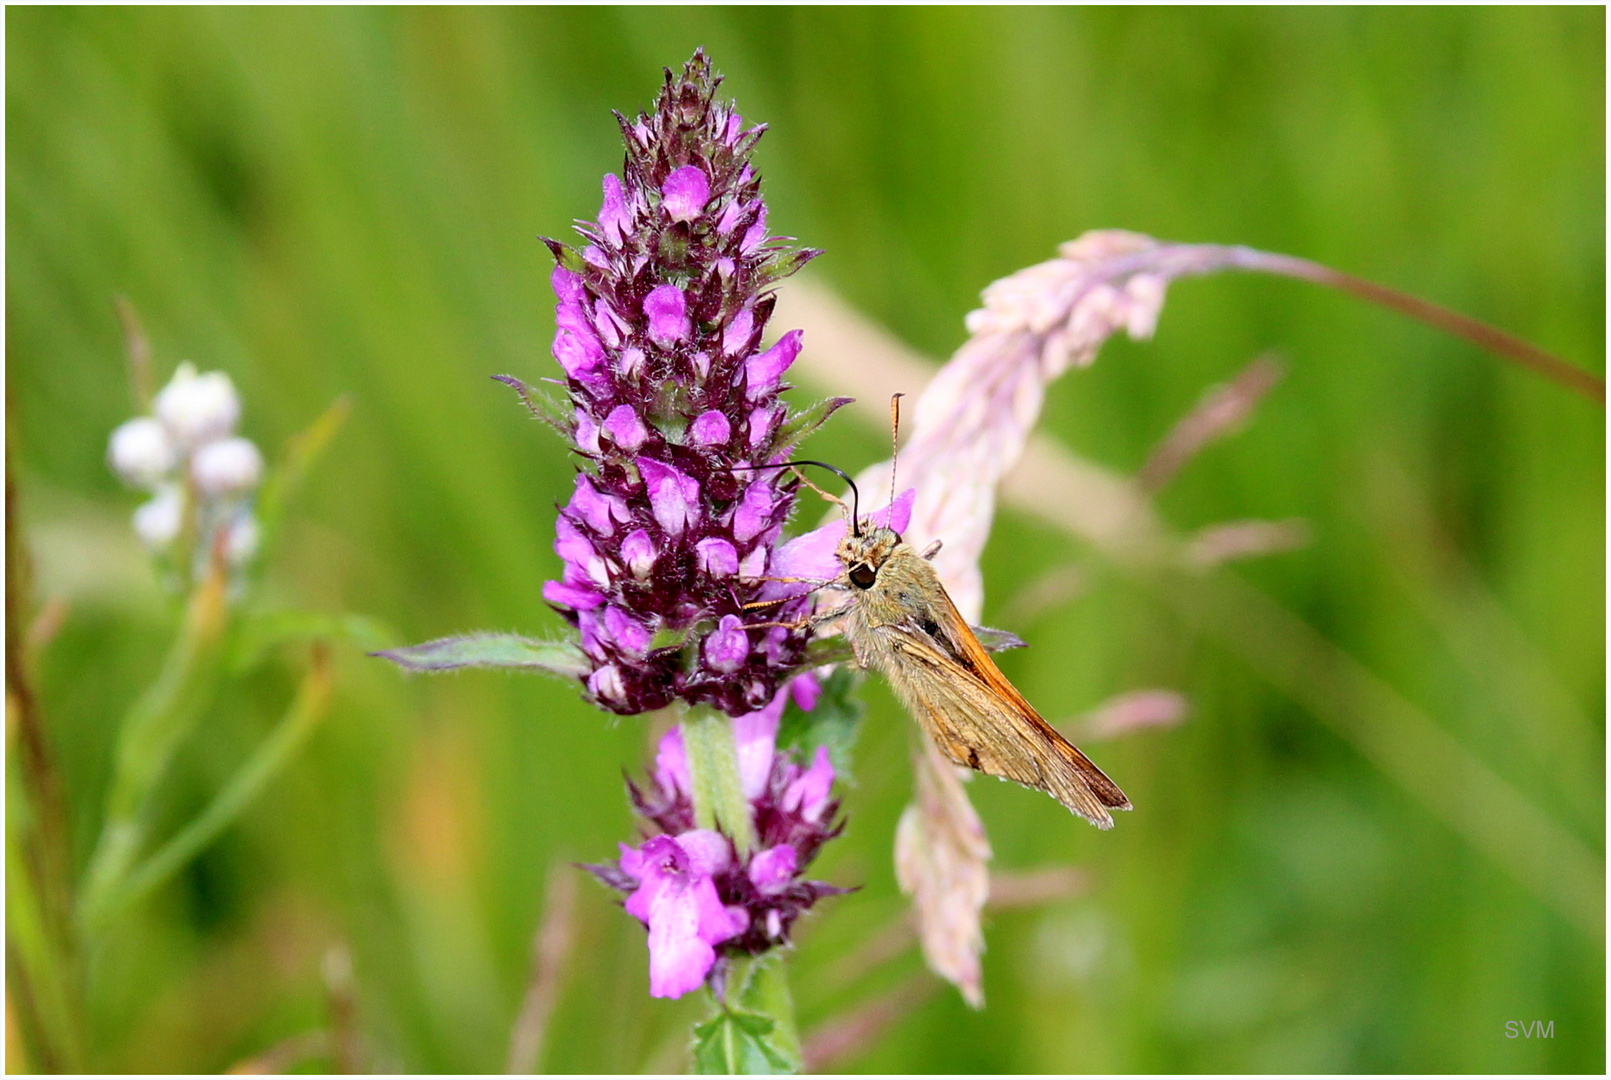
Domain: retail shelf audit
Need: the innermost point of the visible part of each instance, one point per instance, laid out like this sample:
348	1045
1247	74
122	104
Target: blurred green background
336	201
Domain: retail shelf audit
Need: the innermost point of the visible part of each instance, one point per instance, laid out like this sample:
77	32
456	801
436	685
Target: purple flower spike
667	312
660	312
759	895
684	193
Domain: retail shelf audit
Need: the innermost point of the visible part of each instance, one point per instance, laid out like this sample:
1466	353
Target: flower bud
728	646
667	312
710	428
141	453
157	522
638	552
717	557
626	427
227	467
197	409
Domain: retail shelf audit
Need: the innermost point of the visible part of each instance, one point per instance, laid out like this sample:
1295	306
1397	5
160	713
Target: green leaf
834	723
556	414
733	1043
793	430
491	650
765	991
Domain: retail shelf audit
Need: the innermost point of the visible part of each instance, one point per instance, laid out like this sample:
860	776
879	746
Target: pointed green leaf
556	414
491	650
734	1043
765	992
794	430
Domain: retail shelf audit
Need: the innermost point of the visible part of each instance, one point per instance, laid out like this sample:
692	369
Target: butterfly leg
808	622
933	549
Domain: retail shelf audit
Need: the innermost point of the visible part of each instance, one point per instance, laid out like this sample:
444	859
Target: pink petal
771	870
716	557
808	793
755	738
671	765
711	428
673	497
667	312
685	192
806	689
762	371
728	646
708	851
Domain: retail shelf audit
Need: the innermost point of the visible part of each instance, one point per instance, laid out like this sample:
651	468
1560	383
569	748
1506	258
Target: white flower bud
241	543
157	522
227	467
140	452
197	409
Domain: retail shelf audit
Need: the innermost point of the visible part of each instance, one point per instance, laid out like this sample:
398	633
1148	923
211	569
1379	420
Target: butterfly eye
862	576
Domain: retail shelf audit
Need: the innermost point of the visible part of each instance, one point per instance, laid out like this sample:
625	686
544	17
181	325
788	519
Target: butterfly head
864	554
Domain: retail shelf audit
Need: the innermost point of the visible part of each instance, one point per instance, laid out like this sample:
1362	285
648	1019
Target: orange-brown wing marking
972	656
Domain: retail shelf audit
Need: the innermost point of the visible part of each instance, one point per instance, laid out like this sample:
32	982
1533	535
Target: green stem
718	794
270	756
148	738
766	991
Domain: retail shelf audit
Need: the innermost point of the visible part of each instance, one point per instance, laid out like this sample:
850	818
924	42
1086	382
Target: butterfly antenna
855	494
894	444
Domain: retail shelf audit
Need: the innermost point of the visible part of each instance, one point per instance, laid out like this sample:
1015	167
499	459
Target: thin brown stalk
344	1040
551	947
41	958
1479	333
46	624
38	765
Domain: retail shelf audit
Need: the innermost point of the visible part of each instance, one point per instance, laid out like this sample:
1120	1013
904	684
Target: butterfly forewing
910	629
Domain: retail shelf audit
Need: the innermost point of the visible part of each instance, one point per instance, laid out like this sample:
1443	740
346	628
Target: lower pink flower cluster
701	900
